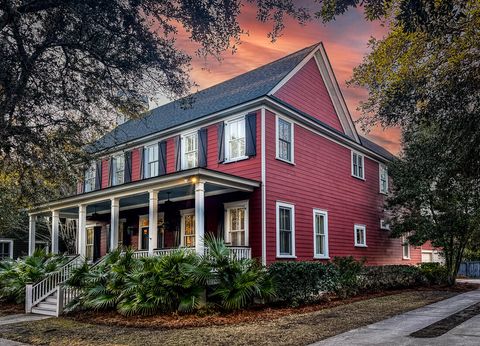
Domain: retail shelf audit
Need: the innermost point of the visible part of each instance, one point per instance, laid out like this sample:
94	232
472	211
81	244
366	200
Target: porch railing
238	252
41	290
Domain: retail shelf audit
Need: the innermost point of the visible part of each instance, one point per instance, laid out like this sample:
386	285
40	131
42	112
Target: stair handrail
49	284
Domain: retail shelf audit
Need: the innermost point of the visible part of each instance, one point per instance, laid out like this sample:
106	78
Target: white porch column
114	215
82	231
152	221
31	233
55	230
199	217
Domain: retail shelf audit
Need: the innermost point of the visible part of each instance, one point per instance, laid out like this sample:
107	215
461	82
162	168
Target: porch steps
47	307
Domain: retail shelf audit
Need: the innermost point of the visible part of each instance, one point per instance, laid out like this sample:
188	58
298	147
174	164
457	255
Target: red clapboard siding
136	164
321	178
105	167
307	92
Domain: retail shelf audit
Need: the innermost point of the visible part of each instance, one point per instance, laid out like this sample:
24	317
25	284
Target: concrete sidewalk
11	319
396	330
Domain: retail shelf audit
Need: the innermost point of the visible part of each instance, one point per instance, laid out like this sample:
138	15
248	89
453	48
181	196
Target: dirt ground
299	327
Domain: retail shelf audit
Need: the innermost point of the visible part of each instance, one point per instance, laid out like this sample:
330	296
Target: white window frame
227	125
236	205
384	225
183	152
405	245
363	229
277	217
277	139
90	181
362	158
383	168
147	162
323	213
116	171
8	241
183	213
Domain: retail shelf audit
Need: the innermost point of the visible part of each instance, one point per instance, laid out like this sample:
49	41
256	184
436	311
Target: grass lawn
296	328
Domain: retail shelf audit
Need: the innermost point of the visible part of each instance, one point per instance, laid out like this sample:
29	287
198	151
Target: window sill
383	193
360	245
286	161
286	256
321	257
359	178
406	258
236	159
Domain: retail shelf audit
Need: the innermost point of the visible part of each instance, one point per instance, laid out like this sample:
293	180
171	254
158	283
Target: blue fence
470	269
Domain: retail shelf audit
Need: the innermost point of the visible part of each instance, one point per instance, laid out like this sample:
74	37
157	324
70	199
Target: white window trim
145	160
277	208
292	140
363	164
384	225
232	205
364	228
381	167
8	241
405	243
182	148
226	134
183	213
325	215
114	161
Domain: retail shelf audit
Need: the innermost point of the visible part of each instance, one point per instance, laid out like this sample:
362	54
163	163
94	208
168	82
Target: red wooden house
270	160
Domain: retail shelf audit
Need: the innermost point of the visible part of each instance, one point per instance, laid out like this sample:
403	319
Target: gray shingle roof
376	148
246	87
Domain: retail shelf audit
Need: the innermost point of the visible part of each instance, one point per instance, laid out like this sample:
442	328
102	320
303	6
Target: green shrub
302	282
15	275
434	273
379	278
349	270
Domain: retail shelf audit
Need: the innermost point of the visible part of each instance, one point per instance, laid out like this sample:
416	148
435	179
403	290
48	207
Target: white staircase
49	296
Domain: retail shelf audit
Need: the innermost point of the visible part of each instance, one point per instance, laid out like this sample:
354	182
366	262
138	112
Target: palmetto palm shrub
232	283
15	275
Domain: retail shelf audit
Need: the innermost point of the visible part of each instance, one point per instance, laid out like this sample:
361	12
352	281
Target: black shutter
162	158
221	141
142	162
202	147
128	167
110	172
251	134
178	154
98	175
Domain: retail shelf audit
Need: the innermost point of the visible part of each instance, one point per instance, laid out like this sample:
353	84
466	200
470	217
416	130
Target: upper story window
190	150
358	169
285	230
383	178
235	139
118	169
320	233
90	175
284	140
151	161
360	235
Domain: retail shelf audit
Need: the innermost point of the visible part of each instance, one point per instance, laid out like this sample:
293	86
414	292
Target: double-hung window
188	227
90	174
237	223
320	233
284	140
6	249
358	170
235	139
151	161
383	173
360	235
190	150
405	248
118	169
285	230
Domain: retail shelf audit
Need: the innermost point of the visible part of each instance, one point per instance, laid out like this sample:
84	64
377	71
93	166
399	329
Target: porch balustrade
238	252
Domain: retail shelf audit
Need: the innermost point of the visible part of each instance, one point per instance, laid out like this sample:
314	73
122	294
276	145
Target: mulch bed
7	308
259	313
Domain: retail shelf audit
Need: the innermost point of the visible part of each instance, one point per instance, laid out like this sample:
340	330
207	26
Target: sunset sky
345	41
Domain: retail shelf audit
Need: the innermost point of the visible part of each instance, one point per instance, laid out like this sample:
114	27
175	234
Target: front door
144	240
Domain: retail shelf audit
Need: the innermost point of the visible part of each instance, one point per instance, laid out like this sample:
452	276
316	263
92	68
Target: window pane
285	230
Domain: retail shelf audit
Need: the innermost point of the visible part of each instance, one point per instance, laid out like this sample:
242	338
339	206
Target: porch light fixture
194	180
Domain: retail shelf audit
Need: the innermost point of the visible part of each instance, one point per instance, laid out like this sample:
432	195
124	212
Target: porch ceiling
176	186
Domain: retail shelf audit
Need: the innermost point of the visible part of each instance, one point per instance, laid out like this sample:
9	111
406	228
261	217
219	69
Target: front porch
158	215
